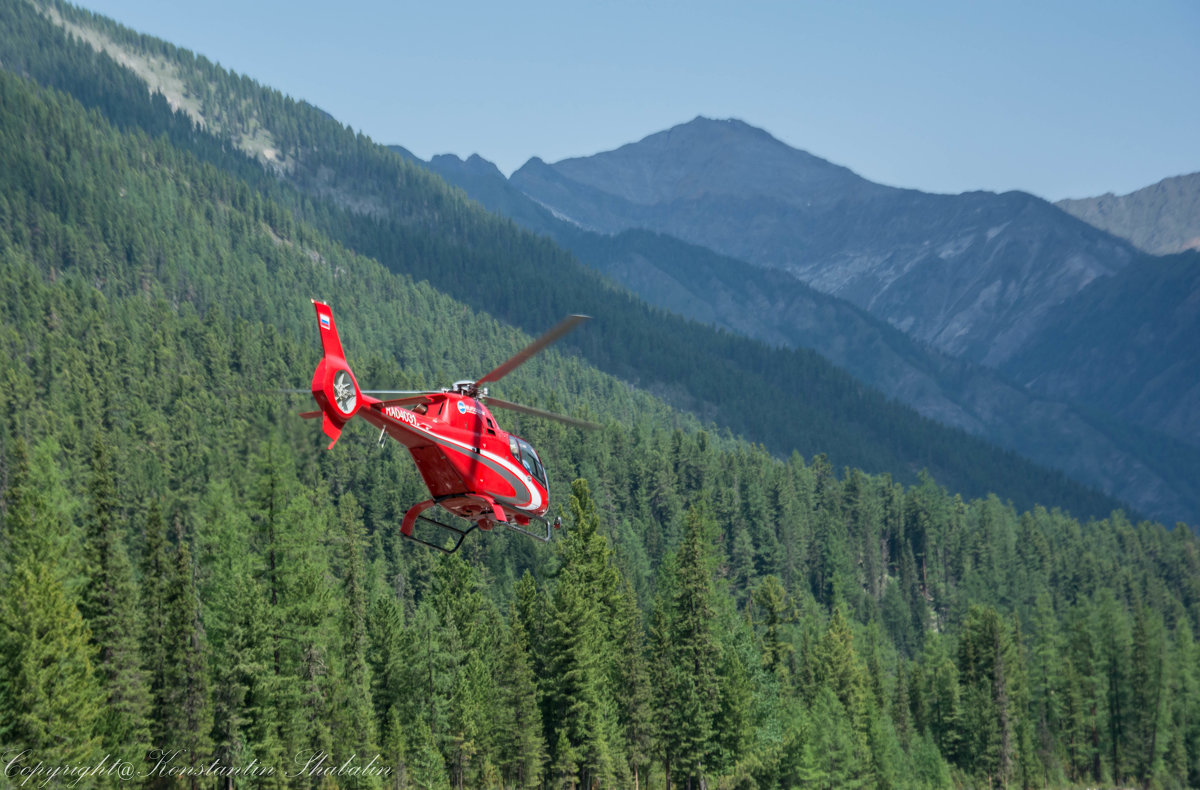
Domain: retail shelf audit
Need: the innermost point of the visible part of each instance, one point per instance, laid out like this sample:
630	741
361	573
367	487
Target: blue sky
1062	99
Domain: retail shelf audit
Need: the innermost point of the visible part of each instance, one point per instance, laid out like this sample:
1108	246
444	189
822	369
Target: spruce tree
632	686
49	695
184	709
580	648
355	733
688	692
51	699
520	745
110	606
771	607
385	629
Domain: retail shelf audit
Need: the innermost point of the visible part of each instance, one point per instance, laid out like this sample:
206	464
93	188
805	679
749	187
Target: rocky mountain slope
1127	346
1161	219
974	275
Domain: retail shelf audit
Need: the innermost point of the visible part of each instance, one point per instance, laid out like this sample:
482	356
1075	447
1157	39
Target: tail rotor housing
334	387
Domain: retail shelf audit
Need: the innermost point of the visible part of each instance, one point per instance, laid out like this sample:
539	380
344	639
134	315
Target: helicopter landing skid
557	524
415	514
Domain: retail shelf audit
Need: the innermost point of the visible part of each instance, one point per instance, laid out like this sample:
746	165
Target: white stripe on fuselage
506	468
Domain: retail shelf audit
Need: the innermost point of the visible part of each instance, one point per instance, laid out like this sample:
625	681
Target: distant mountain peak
474	164
707	156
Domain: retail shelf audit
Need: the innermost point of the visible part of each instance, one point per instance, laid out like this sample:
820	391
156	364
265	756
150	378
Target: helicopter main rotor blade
546	415
401	392
521	357
368	392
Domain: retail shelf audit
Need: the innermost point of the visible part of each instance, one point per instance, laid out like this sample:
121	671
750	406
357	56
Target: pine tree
579	648
110	606
425	766
183	709
632	685
1048	690
838	667
518	733
40	514
993	712
838	755
1147	700
355	733
1113	643
48	692
157	571
228	572
386	658
772	608
688	693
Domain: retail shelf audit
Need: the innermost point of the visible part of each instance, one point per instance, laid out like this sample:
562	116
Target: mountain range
950	303
407	219
1162	218
365	198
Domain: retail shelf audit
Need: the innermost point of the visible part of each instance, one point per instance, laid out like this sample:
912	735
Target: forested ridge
365	197
186	573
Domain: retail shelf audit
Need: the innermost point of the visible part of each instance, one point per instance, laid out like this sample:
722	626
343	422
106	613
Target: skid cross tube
462	534
542	521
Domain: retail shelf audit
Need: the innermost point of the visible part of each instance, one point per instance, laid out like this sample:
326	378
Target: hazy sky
1062	99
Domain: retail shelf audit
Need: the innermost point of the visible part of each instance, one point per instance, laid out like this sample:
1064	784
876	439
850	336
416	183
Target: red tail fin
333	386
329	336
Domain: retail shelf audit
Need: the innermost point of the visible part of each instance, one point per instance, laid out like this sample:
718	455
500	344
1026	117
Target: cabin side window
523	452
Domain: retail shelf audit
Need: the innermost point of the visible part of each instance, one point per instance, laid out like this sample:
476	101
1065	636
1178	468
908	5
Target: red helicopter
474	469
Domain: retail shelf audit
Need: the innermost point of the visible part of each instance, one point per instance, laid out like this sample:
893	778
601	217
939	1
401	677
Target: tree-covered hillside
185	574
366	198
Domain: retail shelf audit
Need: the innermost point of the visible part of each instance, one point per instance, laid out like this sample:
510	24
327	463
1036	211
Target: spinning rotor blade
546	415
401	392
521	357
411	400
368	392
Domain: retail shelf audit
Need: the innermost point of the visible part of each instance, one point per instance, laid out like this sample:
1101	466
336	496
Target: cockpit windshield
524	453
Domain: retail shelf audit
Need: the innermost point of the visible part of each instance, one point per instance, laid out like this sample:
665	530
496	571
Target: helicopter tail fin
330	342
333	385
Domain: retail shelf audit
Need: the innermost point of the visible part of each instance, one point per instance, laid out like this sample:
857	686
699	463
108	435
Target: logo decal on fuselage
463	408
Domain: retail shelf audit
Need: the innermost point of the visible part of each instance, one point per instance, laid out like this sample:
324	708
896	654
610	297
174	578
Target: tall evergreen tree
355	733
110	606
580	647
687	693
520	744
48	690
184	708
49	694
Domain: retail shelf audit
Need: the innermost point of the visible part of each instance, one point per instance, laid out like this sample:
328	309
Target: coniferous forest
195	593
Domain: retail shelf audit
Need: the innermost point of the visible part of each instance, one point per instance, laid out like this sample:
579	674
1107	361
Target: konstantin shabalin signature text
26	770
